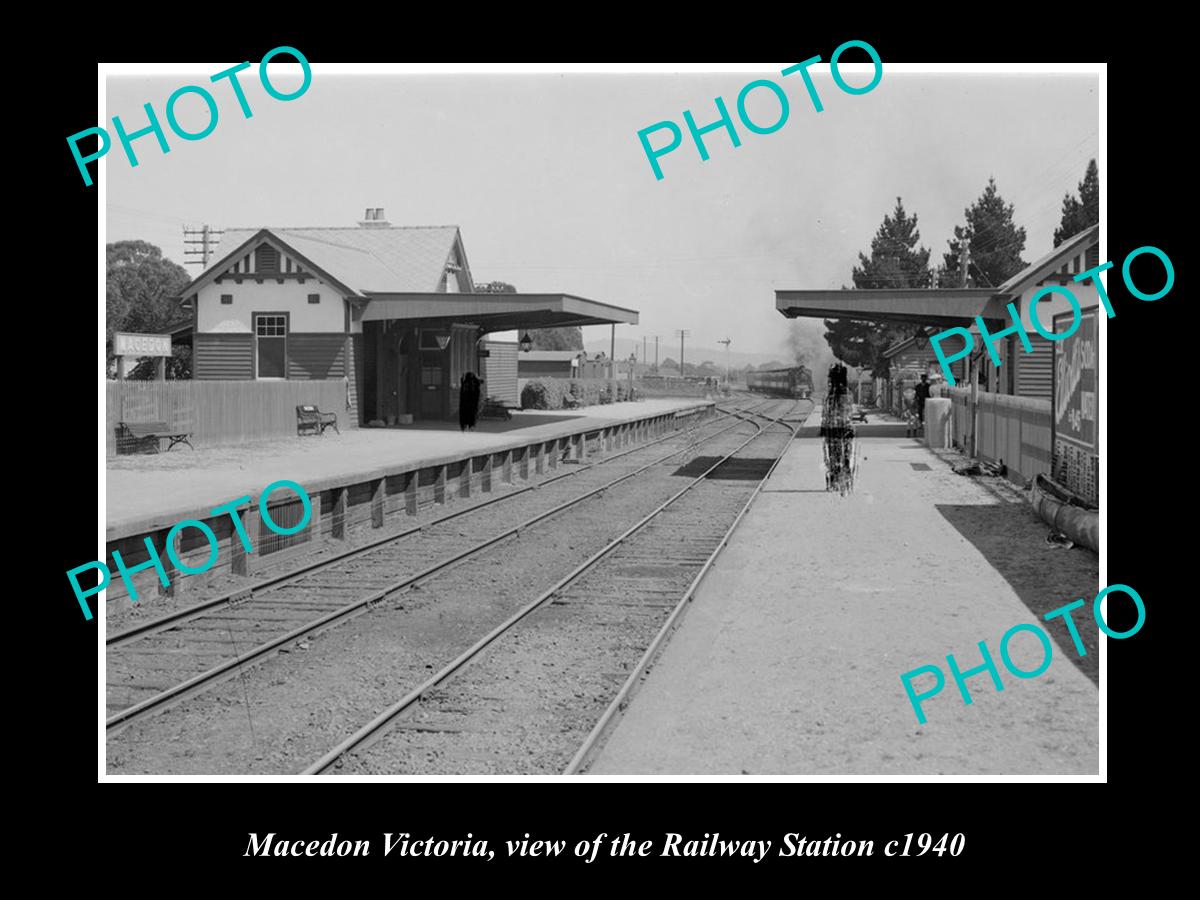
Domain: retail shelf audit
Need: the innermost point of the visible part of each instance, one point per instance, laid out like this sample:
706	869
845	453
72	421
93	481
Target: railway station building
1021	373
391	310
1017	413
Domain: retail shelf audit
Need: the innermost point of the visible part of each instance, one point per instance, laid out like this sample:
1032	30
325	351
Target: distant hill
695	355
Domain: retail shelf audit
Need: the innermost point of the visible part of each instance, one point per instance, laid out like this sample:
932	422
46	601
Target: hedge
551	393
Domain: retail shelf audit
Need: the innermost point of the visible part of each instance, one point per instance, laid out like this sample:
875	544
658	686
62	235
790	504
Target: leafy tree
141	291
1079	215
179	365
896	261
994	240
569	338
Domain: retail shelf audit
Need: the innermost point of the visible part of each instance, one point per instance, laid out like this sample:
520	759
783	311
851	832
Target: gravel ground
272	718
790	659
1013	540
528	702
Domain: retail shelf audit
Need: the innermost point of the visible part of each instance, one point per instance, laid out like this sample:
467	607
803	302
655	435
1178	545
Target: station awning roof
497	312
930	306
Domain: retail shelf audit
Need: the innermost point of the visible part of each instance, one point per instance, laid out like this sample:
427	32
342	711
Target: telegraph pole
656	354
208	239
726	342
682	333
643	350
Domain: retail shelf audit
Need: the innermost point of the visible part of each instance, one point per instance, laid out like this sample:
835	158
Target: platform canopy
497	312
928	306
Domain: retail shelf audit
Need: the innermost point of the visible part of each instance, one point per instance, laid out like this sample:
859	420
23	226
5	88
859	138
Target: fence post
410	492
338	523
1021	443
377	504
173	574
464	477
239	558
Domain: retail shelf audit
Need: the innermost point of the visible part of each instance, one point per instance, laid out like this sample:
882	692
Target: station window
270	336
314	298
227	299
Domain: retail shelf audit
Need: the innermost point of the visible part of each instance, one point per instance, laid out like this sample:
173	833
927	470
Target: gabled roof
1051	262
902	345
362	260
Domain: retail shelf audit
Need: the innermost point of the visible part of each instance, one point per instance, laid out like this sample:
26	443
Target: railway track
539	691
161	662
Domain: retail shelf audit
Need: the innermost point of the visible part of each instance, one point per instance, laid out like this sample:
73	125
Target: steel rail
372	729
618	704
240	594
229	667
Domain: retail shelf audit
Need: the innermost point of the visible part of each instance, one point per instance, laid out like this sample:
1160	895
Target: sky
547	179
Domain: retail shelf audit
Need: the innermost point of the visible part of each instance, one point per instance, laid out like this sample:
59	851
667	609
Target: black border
1148	372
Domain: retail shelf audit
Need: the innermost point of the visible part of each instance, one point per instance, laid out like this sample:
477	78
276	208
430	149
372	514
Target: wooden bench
309	418
140	437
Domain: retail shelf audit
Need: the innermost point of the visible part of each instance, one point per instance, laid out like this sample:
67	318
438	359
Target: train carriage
795	382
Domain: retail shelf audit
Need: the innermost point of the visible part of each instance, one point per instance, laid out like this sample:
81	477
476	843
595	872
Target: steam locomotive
795	382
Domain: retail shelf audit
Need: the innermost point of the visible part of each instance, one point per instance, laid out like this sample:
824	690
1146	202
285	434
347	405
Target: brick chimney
374	218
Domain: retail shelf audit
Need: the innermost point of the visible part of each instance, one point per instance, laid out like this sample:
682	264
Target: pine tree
896	261
1079	215
996	243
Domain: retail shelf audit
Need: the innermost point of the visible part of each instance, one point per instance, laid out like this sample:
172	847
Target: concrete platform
789	660
148	492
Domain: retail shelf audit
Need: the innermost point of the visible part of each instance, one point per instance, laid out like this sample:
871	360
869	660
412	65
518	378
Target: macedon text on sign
141	344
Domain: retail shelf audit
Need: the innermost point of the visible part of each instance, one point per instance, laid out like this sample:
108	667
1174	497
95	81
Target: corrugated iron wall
355	385
221	412
317	356
500	372
220	356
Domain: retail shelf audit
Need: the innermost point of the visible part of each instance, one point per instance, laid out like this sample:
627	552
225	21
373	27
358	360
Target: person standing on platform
922	394
468	402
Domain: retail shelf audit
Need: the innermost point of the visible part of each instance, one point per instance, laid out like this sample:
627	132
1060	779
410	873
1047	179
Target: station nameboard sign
141	344
1076	382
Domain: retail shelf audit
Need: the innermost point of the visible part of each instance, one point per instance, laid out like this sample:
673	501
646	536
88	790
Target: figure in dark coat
468	401
921	395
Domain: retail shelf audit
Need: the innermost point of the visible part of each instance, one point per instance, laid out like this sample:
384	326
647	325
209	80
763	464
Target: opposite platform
144	493
789	660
